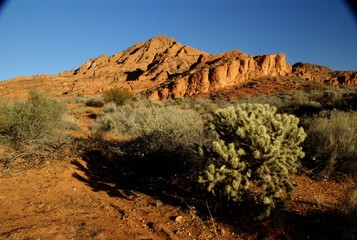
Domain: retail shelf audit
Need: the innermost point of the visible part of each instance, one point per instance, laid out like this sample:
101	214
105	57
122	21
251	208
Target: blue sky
51	36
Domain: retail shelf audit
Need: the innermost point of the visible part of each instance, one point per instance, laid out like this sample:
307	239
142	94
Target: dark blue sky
50	36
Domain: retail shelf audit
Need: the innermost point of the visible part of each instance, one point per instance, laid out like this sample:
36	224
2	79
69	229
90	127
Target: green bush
35	118
331	143
116	95
253	154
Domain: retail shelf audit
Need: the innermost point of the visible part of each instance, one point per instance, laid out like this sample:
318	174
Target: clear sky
51	36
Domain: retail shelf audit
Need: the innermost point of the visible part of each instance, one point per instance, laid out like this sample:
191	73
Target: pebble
179	219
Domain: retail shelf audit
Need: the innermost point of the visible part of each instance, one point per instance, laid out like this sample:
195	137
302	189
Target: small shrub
163	128
254	152
308	108
300	97
331	143
70	123
94	102
34	118
157	134
29	131
79	98
110	107
116	95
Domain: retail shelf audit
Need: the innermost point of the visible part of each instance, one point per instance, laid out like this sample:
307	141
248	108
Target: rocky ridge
163	68
322	74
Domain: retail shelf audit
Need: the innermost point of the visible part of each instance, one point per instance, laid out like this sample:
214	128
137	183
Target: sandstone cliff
213	73
164	68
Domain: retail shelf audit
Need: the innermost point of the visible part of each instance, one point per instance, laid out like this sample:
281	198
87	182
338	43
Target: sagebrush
155	133
34	118
29	129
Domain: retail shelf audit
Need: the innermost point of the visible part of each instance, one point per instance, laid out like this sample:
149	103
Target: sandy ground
64	200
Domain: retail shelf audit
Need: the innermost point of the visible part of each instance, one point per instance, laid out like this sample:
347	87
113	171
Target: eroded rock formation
163	68
217	72
322	74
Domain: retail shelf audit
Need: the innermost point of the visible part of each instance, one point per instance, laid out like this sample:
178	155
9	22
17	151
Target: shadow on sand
123	176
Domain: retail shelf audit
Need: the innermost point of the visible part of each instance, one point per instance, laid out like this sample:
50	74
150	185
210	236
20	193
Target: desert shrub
34	118
70	123
116	95
254	152
308	108
29	131
279	101
94	102
79	98
332	96
109	107
168	134
300	97
331	143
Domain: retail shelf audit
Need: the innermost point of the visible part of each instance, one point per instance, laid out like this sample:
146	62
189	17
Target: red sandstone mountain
162	68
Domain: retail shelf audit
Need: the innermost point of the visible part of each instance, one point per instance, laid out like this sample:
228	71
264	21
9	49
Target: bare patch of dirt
65	201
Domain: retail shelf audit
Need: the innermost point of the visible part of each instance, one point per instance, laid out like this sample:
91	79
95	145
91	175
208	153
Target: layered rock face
322	74
138	68
213	73
142	66
156	59
163	68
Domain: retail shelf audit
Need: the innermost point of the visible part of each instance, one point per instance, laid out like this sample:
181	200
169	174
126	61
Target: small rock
179	219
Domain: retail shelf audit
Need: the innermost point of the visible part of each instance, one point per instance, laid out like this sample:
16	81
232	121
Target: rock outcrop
158	57
213	73
322	74
163	68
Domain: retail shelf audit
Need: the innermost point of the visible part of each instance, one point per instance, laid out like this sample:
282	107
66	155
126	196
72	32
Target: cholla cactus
255	151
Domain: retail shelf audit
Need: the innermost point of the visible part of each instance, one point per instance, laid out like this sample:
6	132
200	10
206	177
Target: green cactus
254	152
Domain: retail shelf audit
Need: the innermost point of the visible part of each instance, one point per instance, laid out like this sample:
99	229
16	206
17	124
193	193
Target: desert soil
63	200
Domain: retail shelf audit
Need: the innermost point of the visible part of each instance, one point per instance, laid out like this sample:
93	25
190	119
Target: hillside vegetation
227	159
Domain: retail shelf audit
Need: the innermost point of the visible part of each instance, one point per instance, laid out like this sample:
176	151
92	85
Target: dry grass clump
331	143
